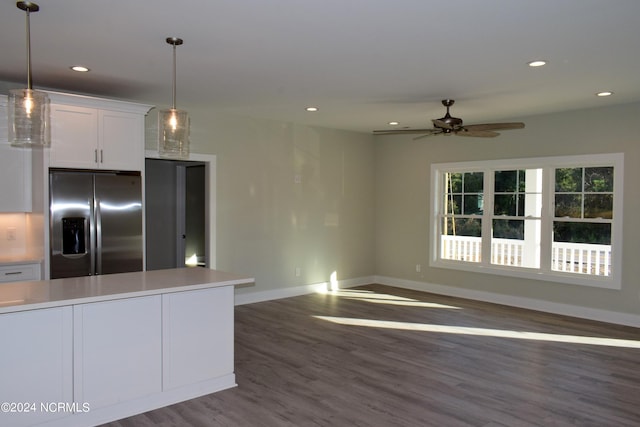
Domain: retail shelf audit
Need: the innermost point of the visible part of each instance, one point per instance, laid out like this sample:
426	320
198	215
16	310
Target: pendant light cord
174	41
174	77
29	85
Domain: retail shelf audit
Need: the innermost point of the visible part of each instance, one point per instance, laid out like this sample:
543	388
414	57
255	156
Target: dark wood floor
421	360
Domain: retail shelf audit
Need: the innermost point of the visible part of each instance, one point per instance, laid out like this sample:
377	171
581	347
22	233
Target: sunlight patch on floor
499	333
405	303
374	297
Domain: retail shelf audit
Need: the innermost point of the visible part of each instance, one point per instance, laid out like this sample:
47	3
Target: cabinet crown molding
94	102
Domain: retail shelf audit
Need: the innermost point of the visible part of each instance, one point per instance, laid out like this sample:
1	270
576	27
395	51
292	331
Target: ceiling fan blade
439	123
477	133
495	126
405	131
435	132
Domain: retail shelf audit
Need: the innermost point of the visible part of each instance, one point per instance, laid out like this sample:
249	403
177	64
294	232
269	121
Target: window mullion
487	215
548	203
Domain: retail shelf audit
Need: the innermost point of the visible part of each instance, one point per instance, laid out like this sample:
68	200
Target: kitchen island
85	351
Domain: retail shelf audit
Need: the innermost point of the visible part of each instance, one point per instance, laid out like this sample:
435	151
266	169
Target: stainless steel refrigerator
95	222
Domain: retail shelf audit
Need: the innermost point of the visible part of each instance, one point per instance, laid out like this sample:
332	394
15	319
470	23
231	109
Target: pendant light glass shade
29	118
28	110
173	132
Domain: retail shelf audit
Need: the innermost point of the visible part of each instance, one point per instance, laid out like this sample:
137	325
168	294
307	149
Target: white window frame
548	166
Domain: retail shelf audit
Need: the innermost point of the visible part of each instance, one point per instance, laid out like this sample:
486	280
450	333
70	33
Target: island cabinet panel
198	336
35	365
117	350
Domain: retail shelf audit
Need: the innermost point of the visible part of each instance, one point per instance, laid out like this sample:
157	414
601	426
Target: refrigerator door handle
98	247
92	235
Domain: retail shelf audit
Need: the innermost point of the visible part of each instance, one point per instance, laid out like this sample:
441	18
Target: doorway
176	214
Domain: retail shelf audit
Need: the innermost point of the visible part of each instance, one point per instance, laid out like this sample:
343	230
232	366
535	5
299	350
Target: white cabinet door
35	363
74	137
92	138
117	347
15	179
198	336
121	140
15	170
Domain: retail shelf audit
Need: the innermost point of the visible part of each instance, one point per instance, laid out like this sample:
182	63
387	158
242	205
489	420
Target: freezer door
119	223
71	228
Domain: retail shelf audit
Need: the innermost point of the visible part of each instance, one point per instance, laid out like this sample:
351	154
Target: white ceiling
362	62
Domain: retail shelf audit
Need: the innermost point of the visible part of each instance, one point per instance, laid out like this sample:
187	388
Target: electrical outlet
298	271
11	233
418	268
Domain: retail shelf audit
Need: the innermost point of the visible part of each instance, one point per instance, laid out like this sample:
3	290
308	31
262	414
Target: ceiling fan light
537	63
80	68
173	124
28	112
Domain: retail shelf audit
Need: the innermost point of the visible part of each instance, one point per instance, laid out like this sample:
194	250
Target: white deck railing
461	248
571	257
582	258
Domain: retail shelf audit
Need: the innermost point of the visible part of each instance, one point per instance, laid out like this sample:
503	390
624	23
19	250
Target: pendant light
28	109
173	133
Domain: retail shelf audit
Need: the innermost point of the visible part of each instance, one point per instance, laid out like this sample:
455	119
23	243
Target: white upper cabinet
74	137
93	133
121	140
15	170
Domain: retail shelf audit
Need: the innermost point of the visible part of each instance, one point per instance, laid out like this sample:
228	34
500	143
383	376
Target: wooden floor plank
441	361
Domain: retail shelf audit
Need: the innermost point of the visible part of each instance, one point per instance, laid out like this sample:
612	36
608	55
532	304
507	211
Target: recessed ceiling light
604	93
311	109
537	63
79	68
394	123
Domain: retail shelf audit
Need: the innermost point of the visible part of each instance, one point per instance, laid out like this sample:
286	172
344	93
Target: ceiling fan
448	125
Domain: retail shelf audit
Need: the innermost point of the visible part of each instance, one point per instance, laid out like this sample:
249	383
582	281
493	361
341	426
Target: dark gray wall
160	190
195	223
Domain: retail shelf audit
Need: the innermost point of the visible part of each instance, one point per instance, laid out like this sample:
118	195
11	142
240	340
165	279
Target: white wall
13	234
289	197
403	190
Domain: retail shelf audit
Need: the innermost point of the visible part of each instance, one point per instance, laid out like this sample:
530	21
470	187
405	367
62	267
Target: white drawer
19	272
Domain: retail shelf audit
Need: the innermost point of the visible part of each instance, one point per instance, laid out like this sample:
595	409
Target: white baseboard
514	301
253	297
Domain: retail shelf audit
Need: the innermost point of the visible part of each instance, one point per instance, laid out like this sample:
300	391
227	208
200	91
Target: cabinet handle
101	157
95	155
12	273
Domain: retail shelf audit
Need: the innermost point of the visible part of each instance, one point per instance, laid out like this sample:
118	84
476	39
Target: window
463	205
517	206
583	218
556	218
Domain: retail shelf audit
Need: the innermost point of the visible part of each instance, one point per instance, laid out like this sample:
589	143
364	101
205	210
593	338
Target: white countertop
32	295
